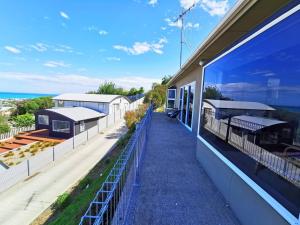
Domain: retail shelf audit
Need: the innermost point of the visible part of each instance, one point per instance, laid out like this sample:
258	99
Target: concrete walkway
22	203
174	189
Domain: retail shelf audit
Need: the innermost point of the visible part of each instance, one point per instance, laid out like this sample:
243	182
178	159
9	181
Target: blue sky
55	46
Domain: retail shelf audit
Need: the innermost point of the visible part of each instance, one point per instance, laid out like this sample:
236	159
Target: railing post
53	154
87	135
28	170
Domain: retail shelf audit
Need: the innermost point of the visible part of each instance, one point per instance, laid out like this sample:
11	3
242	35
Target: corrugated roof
87	97
254	123
226	104
77	113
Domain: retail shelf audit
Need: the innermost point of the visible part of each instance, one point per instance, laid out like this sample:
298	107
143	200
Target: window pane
61	126
190	105
251	110
43	119
171	93
171	104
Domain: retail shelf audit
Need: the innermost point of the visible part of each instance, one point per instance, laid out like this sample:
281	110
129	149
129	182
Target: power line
181	18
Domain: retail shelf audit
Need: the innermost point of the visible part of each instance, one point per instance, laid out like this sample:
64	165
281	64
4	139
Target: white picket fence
15	130
34	164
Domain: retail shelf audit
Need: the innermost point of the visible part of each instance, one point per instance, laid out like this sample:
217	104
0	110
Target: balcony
173	188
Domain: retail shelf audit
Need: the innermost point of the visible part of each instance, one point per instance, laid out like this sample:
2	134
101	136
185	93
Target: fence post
73	142
53	154
28	170
87	135
107	121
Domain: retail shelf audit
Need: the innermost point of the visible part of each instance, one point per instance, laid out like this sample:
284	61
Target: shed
68	121
103	103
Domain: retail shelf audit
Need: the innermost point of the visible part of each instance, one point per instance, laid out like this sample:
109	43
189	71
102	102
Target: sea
15	95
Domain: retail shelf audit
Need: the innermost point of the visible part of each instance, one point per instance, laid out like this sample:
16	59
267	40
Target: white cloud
64	15
103	32
56	83
113	59
95	29
40	47
214	7
171	23
188	3
139	48
54	64
191	25
12	49
152	2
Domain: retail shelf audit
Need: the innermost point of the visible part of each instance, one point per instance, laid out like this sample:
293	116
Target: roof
77	113
101	98
245	16
227	104
254	123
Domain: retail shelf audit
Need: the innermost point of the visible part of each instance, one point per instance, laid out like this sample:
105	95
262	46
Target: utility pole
181	18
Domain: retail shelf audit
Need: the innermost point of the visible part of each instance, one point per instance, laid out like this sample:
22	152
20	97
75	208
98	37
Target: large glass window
61	126
185	100
43	119
251	109
180	102
191	93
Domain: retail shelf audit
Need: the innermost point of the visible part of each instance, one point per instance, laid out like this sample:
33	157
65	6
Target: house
224	108
249	60
107	104
67	122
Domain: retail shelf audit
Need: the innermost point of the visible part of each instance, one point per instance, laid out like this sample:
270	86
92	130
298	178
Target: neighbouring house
223	108
68	121
250	58
107	104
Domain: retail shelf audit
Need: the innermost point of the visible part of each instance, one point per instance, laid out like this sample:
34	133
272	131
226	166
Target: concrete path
174	189
22	203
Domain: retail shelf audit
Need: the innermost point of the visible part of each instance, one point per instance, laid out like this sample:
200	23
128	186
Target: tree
141	90
4	127
107	88
33	105
24	120
156	96
212	92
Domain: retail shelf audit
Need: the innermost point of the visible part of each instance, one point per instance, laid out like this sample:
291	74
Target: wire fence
11	175
15	130
110	205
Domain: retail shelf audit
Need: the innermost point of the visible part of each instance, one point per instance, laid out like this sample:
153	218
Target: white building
107	104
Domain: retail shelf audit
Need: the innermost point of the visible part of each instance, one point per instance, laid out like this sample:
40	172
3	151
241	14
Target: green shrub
24	120
84	183
62	201
130	119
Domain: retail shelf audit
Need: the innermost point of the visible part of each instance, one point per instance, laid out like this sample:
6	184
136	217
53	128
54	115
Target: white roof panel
77	113
254	123
87	97
227	104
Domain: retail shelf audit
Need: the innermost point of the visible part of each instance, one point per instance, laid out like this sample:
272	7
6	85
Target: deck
174	188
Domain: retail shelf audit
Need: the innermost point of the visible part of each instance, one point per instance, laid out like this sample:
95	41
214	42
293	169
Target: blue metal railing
110	205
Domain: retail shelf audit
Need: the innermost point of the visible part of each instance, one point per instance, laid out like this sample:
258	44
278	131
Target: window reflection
251	109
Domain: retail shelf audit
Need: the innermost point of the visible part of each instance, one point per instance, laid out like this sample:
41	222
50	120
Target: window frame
279	208
186	87
59	131
42	115
171	99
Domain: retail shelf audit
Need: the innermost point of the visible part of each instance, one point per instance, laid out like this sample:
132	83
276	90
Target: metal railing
110	205
15	130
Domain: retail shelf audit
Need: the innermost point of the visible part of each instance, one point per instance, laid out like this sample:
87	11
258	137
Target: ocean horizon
19	95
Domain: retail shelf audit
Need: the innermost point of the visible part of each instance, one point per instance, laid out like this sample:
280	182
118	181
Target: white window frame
186	87
171	99
42	122
62	130
280	209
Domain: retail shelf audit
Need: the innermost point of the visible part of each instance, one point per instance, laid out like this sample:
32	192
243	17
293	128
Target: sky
55	46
